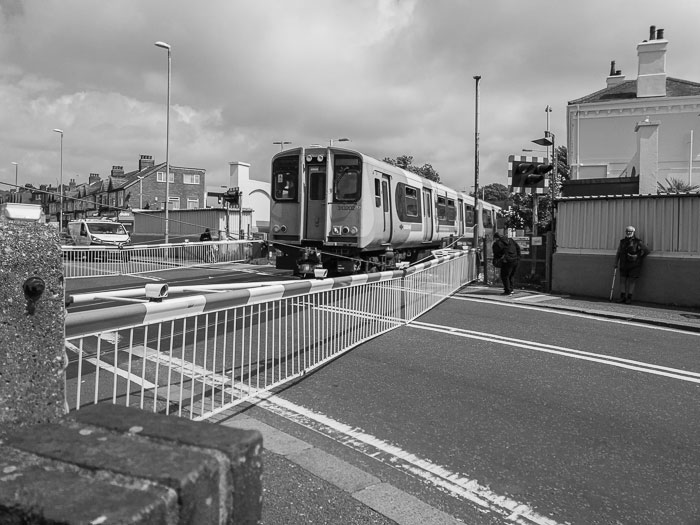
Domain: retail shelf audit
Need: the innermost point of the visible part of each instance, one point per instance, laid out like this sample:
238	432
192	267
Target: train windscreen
347	178
285	178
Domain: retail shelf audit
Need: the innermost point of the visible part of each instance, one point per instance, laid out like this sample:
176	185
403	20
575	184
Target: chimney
146	161
93	177
651	78
117	171
616	77
71	185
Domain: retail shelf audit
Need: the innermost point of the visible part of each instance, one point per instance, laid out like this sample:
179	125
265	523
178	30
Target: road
489	411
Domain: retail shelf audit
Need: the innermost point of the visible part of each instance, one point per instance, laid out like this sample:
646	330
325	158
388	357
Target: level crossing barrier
198	355
100	261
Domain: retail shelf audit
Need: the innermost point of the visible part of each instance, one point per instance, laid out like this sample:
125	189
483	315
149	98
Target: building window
192	203
191	178
161	176
174	203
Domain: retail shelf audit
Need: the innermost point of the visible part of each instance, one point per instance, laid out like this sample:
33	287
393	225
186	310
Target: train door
386	209
316	202
460	217
427	215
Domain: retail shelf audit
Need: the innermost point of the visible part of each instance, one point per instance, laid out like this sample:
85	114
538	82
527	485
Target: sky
396	77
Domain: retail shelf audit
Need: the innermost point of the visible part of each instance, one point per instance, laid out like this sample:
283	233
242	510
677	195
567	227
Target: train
337	211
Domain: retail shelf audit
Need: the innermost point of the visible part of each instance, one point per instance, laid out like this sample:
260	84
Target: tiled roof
675	87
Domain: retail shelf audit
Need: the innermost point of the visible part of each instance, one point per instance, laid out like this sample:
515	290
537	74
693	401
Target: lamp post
60	223
16	166
163	45
477	213
330	141
282	143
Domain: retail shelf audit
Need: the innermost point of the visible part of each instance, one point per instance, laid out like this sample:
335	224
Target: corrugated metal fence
668	224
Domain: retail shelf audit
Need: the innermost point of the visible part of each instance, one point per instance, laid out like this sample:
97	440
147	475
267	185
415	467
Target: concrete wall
664	280
31	345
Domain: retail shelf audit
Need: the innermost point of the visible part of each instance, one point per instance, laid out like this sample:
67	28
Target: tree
406	162
676	186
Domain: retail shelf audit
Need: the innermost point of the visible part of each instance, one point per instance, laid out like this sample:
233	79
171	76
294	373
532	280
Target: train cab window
285	178
347	180
377	193
469	216
486	219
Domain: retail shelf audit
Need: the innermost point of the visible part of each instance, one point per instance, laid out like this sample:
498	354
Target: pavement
303	484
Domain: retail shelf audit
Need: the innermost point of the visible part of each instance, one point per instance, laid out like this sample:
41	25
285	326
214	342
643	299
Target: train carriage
343	211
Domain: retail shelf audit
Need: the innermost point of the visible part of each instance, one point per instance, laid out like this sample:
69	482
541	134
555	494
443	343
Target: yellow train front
344	212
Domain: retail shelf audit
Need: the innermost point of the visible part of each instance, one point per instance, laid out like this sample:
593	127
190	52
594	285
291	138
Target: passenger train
345	212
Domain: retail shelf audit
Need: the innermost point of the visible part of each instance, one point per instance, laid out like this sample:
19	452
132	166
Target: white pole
477	213
167	145
690	161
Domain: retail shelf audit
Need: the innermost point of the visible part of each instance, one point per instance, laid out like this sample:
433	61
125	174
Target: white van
98	232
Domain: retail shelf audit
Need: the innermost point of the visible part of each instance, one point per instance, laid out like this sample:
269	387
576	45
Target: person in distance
506	256
631	253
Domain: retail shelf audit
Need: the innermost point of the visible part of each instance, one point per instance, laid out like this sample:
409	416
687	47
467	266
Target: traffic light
528	174
233	196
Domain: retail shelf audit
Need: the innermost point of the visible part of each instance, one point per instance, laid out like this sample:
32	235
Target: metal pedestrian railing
198	355
97	261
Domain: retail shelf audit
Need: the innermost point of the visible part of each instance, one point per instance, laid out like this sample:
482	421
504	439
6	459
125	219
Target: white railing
96	261
198	355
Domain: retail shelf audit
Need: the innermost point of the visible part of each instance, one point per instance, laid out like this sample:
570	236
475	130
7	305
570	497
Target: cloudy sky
394	76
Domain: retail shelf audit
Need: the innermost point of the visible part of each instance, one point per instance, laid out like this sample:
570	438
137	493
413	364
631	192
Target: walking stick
612	288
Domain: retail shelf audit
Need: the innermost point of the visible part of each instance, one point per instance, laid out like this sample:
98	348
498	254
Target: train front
315	215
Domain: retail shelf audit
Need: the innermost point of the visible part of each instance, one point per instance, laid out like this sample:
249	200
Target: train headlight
283	228
335	230
353	230
275	228
319	158
345	230
309	158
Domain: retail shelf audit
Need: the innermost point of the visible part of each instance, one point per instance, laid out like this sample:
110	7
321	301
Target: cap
630	229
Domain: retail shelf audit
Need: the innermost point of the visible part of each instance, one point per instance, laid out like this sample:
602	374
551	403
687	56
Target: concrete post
648	150
32	355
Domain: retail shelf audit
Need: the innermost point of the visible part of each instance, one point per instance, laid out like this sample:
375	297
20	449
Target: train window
441	211
285	178
317	183
377	193
469	217
451	210
347	181
486	219
407	203
411	202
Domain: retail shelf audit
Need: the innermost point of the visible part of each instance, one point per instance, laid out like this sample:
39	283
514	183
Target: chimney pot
612	68
660	34
652	32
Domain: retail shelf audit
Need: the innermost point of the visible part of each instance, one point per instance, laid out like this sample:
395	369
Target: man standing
506	252
630	255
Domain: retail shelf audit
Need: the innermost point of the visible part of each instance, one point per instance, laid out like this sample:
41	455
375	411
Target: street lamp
282	143
17	164
60	224
163	45
330	141
548	140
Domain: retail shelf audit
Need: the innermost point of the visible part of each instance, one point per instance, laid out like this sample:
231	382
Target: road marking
556	311
639	366
454	483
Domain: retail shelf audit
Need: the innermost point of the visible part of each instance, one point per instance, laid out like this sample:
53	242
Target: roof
675	87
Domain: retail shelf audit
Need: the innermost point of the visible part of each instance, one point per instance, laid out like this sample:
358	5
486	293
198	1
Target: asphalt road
494	411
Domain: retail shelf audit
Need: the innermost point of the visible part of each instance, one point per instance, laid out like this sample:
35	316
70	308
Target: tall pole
17	164
547	110
167	145
690	161
477	213
60	223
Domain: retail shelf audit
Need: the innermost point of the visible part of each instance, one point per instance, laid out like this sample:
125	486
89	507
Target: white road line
556	311
454	483
106	367
639	366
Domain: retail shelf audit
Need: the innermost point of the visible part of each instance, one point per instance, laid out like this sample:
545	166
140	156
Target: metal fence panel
195	356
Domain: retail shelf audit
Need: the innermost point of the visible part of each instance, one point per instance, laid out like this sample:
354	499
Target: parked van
15	211
98	232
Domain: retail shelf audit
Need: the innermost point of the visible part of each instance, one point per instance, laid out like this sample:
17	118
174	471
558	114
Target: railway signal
528	174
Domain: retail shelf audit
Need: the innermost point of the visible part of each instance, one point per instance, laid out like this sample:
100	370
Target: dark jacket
507	247
630	253
206	236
